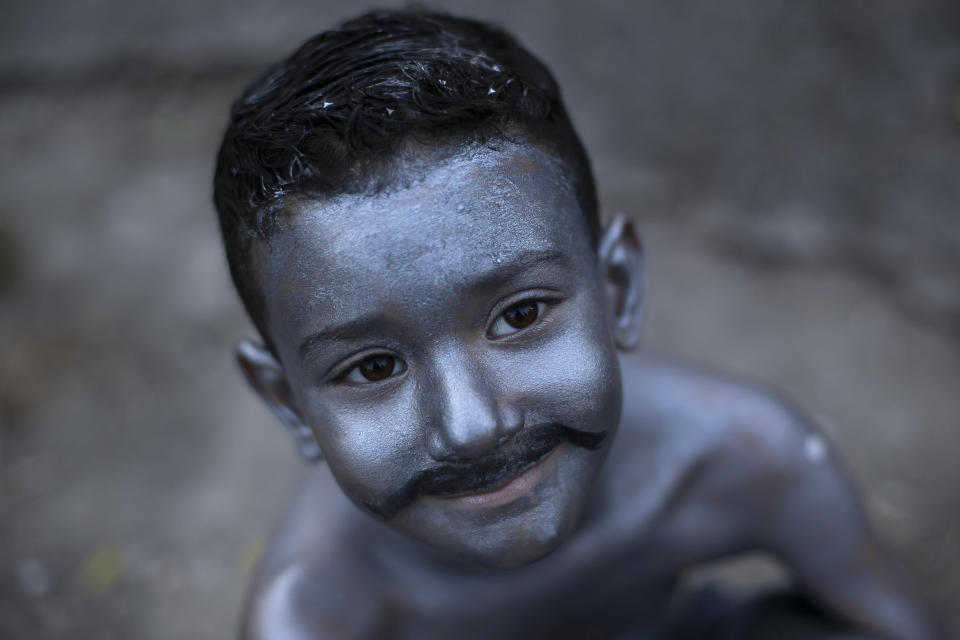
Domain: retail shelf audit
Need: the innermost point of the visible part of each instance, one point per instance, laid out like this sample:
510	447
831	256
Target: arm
810	515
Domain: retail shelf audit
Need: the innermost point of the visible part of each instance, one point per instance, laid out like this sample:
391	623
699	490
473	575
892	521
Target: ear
621	263
269	380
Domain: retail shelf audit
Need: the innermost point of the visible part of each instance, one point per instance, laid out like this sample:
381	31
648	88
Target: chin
507	538
519	555
504	549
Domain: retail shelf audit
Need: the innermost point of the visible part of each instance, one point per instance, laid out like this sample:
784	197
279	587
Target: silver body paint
692	468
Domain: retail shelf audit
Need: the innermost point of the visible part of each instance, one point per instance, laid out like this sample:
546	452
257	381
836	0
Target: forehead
463	217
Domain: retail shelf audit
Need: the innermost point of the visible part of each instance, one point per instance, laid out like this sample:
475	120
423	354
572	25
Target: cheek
573	377
371	445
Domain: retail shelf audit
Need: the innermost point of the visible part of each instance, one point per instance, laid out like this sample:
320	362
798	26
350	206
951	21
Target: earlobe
268	379
621	263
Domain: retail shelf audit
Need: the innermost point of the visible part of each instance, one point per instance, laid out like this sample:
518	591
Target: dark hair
333	117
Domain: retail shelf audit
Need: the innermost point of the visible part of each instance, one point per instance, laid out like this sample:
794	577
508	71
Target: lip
504	493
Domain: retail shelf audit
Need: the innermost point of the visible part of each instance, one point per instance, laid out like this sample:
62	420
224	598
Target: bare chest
606	602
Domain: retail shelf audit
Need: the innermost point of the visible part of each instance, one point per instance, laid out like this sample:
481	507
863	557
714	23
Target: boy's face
449	344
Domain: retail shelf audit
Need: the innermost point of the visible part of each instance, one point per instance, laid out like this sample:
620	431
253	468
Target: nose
472	417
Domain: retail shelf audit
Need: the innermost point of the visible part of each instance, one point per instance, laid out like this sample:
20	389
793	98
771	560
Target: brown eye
521	315
374	369
517	316
377	368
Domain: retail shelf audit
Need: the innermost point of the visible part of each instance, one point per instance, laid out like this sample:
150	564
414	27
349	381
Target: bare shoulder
309	585
735	422
300	603
766	478
753	461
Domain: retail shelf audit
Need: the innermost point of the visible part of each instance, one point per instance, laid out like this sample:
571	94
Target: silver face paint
436	331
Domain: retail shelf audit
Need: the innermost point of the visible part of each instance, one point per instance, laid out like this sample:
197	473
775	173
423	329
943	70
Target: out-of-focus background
794	168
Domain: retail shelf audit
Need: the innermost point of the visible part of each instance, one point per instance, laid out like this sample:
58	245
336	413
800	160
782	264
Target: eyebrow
359	328
522	262
350	330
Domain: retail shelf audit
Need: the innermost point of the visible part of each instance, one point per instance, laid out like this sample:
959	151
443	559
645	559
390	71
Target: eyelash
354	377
501	326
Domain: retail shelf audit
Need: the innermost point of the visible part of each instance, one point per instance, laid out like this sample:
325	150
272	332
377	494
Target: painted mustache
529	446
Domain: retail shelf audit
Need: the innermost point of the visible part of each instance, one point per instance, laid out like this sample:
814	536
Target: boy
411	222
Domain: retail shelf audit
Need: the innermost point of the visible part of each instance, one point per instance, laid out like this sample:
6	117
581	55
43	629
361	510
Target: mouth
502	492
495	479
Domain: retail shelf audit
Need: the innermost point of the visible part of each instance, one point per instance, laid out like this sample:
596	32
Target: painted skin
435	326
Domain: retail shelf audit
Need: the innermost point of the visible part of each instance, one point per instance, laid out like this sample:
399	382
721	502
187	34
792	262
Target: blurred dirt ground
793	167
